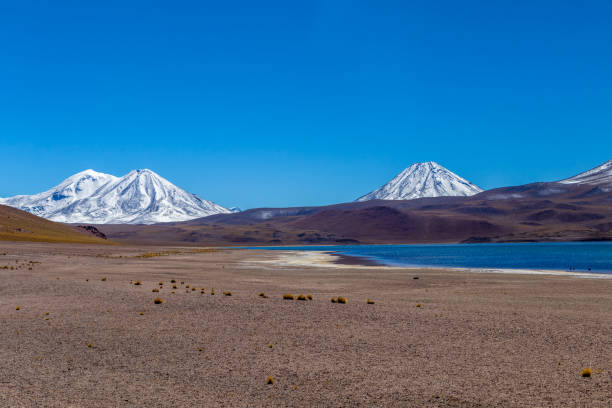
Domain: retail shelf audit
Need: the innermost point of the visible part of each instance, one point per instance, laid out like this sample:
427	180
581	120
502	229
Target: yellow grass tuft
194	288
586	372
141	313
161	283
269	380
173	286
262	295
90	345
370	301
103	279
334	300
173	292
158	301
137	283
200	349
270	345
309	297
419	305
46	313
288	296
186	286
155	290
173	281
342	299
227	293
18	308
301	297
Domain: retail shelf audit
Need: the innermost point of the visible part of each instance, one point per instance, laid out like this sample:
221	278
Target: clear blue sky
261	103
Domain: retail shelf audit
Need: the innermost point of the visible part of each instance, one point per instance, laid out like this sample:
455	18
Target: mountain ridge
140	197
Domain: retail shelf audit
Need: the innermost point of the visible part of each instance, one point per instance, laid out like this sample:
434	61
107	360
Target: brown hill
17	225
534	212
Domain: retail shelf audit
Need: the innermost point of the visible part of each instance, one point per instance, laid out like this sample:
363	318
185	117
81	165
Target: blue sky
302	103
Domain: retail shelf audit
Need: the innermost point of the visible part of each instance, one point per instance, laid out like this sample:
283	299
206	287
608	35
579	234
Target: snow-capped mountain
423	180
140	197
600	175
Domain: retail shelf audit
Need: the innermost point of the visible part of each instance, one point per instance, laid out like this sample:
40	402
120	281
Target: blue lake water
593	257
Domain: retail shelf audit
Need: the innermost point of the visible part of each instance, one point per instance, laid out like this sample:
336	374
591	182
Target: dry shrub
90	345
270	345
334	300
137	283
309	297
158	301
173	281
342	299
369	301
174	287
192	289
227	293
186	286
288	296
269	380
262	295
155	290
586	372
212	291
141	313
301	297
103	279
161	283
18	308
419	305
200	349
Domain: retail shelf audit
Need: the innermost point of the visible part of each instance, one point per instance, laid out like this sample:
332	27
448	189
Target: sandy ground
478	339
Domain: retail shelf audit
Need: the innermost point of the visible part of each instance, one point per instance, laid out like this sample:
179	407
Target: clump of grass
202	291
370	301
46	313
161	283
586	372
270	345
200	349
288	296
309	297
174	287
186	286
419	305
334	300
141	313
194	288
227	293
138	283
301	297
158	301
182	283
173	292
212	291
262	295
103	279
18	308
269	380
342	299
155	290
90	345
173	281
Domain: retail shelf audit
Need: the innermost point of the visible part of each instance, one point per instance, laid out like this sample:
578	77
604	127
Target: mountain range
442	200
139	197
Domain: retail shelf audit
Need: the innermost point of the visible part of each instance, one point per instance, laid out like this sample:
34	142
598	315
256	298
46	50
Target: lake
593	257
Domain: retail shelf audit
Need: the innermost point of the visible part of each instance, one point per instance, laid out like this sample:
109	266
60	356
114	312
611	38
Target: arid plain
86	335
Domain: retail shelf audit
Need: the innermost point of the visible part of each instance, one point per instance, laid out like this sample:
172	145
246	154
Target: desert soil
476	339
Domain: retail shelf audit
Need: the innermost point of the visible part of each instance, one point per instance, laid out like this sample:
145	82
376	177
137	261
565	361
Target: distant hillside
17	225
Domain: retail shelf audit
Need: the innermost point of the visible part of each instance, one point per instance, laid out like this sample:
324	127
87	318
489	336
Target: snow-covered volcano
600	176
423	180
140	197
